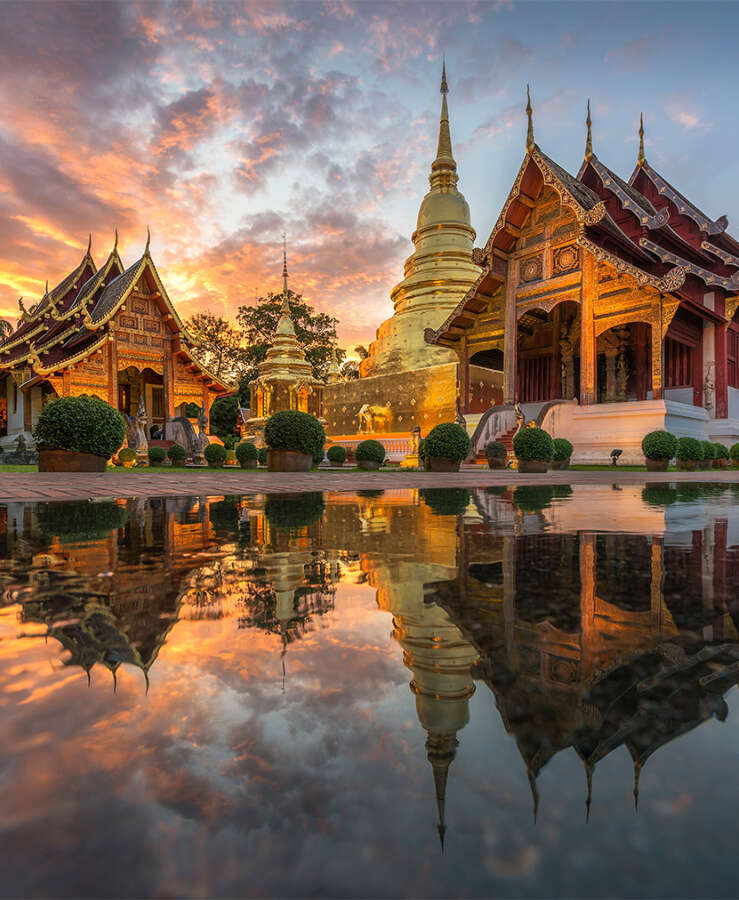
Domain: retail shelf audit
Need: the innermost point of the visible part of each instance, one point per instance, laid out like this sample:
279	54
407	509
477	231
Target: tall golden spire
443	168
530	132
285	311
589	138
641	159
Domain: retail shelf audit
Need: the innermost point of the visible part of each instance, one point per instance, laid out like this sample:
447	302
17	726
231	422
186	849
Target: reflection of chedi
437	275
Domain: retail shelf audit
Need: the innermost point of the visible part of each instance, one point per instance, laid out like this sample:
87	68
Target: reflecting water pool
507	692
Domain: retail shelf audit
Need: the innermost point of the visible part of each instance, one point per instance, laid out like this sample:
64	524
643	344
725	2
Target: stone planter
369	465
288	461
70	461
561	463
532	466
439	464
657	465
496	462
249	464
687	465
719	463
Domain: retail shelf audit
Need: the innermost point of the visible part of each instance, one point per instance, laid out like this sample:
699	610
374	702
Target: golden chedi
438	274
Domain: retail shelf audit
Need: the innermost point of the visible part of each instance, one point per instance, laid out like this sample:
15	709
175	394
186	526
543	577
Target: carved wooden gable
140	323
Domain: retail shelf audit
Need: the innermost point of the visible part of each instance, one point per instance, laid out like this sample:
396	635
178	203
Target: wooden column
168	382
66	383
27	410
112	369
656	583
721	373
588	630
556	376
587	332
697	374
658	346
510	335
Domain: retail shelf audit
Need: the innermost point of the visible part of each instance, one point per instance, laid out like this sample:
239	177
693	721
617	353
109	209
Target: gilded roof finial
89	243
530	132
641	158
589	138
444	85
46	288
115	243
444	161
148	241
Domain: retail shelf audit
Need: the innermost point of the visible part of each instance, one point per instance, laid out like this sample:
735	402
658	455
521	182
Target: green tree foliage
223	416
219	349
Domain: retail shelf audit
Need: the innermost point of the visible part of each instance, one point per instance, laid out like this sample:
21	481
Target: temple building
112	332
610	305
405	381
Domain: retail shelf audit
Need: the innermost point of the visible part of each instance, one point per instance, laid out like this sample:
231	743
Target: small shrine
285	379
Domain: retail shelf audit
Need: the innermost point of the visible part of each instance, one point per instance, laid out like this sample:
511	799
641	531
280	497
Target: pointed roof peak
589	138
529	115
641	159
443	168
148	241
115	243
89	244
444	86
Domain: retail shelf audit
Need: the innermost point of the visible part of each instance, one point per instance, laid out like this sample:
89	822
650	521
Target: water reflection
600	620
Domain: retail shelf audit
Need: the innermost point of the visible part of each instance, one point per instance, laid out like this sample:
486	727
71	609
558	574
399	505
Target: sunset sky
222	124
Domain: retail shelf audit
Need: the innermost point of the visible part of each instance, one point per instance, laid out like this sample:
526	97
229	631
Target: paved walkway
79	486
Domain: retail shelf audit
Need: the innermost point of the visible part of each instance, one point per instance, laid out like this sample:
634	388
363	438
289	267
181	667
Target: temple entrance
624	363
549	354
132	385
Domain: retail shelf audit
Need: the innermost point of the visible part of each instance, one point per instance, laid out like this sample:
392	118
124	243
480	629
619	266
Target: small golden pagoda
285	379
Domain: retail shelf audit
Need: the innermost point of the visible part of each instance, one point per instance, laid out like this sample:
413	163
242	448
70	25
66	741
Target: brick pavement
18	486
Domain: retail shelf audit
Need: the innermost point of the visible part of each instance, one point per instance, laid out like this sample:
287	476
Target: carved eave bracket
731	305
669	308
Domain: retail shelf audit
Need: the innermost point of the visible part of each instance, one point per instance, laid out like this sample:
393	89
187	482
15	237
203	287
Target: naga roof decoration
684	206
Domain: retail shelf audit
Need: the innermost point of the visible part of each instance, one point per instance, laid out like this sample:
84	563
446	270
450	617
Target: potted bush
215	455
734	455
534	449
177	455
370	455
247	455
562	451
336	455
446	446
658	448
709	454
126	457
79	521
496	454
262	456
721	458
77	434
689	453
157	455
294	440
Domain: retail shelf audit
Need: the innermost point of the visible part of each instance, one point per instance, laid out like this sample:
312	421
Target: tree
6	329
220	349
223	417
316	334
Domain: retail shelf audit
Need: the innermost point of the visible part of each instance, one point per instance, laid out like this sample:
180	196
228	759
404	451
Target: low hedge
659	445
126	454
533	443
177	453
447	441
291	429
722	451
562	448
215	455
370	451
157	455
709	451
336	455
80	424
495	450
688	449
246	452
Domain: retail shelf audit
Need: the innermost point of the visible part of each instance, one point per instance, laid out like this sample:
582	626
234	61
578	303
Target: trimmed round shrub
422	448
446	501
689	448
157	455
709	451
291	429
722	451
562	448
81	424
533	443
495	450
294	510
447	441
734	453
659	445
215	455
246	452
78	521
177	453
127	454
336	455
262	456
370	451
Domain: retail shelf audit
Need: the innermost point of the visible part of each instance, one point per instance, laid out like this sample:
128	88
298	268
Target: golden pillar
510	335
587	333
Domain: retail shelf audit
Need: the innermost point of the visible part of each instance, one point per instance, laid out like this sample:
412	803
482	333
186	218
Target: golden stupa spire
589	138
443	168
641	159
285	311
530	132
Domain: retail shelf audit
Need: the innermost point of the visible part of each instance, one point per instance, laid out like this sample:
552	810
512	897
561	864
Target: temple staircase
506	439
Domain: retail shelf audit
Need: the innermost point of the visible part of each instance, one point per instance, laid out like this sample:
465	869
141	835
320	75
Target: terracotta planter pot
369	465
70	461
560	463
179	463
532	466
496	462
687	465
735	463
439	464
657	465
288	461
249	464
719	463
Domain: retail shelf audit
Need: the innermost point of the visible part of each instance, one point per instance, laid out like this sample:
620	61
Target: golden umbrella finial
589	138
530	132
641	159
